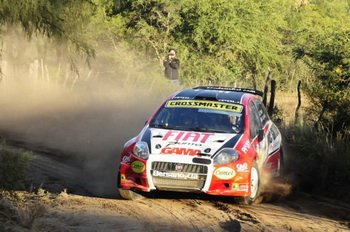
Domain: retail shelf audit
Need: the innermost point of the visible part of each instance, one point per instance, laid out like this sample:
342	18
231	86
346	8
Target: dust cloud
85	125
84	120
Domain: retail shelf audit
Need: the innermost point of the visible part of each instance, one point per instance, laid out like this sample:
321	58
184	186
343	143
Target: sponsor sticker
205	104
237	187
242	167
196	137
126	159
176	175
122	178
137	166
245	147
185	143
243	187
224	173
180	151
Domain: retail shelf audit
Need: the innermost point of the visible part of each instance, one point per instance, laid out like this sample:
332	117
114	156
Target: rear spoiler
251	91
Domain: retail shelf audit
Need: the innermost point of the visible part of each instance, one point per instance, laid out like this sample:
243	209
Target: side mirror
146	122
261	135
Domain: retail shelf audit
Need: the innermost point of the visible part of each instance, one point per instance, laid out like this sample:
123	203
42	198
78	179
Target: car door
258	121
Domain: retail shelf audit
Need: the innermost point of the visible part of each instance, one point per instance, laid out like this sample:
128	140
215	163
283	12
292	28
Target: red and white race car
215	140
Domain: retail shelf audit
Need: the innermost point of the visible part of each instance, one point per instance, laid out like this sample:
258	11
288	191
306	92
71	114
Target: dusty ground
80	213
79	209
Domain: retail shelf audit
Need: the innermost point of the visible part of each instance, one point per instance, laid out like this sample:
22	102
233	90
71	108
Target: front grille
190	168
174	184
178	176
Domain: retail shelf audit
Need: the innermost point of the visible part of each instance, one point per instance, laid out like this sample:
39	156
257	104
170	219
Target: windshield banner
204	104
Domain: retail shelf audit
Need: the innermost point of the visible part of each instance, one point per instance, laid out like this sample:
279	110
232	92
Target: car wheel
280	169
254	187
127	194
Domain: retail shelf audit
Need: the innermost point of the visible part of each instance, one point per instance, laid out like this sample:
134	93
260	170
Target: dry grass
19	210
321	157
286	104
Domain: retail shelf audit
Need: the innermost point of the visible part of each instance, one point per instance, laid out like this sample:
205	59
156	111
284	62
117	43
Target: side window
263	116
254	121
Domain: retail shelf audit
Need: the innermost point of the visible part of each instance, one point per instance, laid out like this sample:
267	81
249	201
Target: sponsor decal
187	136
237	187
224	173
138	166
242	167
179	167
158	146
205	104
184	143
246	147
180	151
243	187
126	159
207	150
176	175
122	178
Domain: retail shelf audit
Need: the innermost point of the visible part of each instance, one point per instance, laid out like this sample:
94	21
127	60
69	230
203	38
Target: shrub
321	159
13	167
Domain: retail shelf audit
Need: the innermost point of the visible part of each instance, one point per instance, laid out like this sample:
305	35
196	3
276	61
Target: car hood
164	141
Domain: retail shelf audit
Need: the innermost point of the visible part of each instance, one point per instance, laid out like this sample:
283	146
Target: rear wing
251	91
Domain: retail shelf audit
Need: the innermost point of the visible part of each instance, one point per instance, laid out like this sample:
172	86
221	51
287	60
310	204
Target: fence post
272	97
266	88
296	116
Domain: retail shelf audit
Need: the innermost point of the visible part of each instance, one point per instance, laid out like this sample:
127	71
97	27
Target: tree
321	40
62	21
218	41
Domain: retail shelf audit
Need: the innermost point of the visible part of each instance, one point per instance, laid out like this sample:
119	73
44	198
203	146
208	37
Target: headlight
141	150
225	156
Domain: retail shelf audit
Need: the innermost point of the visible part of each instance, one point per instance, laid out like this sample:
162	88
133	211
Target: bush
321	159
13	167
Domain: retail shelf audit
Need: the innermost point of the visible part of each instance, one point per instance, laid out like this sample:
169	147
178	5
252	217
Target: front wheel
127	194
254	187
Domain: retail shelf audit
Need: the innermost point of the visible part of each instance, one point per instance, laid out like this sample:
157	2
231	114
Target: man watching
172	64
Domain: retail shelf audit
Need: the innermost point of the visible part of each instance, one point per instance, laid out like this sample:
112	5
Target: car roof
216	93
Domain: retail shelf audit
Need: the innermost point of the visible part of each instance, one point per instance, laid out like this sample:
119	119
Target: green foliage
218	41
325	49
13	167
62	21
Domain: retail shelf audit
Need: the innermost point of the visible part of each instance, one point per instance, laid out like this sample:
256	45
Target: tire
254	186
281	167
127	194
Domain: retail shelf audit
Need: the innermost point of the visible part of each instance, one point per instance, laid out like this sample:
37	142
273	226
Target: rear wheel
254	187
127	194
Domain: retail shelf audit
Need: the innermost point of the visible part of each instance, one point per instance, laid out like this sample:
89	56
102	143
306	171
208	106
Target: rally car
214	140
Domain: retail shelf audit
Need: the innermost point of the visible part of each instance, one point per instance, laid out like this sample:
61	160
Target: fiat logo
178	167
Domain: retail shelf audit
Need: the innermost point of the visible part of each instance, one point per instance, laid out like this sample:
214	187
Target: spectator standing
172	65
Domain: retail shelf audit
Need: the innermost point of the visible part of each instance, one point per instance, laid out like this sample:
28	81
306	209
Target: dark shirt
171	68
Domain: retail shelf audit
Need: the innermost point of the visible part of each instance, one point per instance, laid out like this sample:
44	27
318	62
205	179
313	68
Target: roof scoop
206	96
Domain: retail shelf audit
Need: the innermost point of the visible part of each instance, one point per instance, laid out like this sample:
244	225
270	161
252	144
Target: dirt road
82	209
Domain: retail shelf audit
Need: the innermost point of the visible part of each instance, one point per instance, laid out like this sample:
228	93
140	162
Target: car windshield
200	115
